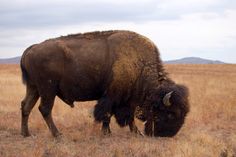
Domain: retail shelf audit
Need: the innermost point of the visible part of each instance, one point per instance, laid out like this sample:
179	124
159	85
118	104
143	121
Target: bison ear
166	99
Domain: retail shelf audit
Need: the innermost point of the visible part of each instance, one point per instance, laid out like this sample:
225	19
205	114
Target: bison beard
122	114
120	69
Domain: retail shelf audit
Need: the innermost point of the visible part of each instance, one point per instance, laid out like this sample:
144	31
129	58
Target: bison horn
166	99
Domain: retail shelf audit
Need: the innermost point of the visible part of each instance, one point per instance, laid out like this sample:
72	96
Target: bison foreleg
46	110
106	124
133	128
102	113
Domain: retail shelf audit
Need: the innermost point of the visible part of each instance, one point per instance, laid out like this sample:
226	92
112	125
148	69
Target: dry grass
210	128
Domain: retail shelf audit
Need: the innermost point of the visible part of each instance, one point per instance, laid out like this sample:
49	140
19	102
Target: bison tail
25	76
24	73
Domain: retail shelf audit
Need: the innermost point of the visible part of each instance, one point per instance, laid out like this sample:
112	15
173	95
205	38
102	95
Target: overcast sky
180	28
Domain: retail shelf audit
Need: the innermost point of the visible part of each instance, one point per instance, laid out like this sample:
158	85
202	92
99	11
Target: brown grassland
209	130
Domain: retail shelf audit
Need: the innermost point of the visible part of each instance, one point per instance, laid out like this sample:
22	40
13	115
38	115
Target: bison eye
155	104
171	116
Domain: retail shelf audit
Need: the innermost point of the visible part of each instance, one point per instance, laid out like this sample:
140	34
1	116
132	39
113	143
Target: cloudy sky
180	28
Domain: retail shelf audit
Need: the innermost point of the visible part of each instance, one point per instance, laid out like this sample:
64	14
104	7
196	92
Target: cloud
40	14
203	28
27	13
203	35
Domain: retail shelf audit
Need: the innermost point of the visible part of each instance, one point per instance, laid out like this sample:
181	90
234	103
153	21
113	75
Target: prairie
209	130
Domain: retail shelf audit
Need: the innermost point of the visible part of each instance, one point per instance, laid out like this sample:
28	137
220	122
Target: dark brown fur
166	120
120	69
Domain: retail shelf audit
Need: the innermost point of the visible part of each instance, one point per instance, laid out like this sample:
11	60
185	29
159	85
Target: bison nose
170	116
165	131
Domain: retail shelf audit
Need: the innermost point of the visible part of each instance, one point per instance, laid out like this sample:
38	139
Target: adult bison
120	69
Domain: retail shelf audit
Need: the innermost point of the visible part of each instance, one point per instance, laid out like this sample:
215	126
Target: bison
120	69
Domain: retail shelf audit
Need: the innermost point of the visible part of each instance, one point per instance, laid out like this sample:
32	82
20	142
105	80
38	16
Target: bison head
167	109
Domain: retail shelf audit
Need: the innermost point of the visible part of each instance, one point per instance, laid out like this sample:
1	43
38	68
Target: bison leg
133	128
102	113
45	108
149	128
106	124
26	106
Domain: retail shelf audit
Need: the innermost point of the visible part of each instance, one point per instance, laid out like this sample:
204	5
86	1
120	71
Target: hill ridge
186	60
193	60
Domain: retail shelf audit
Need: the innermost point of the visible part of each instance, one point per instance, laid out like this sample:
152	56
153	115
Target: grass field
209	131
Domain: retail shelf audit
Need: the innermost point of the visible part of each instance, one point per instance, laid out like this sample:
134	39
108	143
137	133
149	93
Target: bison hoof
25	134
137	132
140	133
106	131
57	135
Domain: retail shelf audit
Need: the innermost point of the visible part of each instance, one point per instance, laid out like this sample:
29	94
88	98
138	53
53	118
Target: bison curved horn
166	99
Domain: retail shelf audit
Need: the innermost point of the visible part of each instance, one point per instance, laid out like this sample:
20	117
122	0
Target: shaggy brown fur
167	120
120	69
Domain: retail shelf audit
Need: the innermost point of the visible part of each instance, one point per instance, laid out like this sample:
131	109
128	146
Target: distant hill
188	60
14	60
193	60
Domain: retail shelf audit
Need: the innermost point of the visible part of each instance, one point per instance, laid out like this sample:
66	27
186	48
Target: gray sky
200	28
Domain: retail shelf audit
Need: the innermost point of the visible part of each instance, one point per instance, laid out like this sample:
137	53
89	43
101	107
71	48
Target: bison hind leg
45	108
26	106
